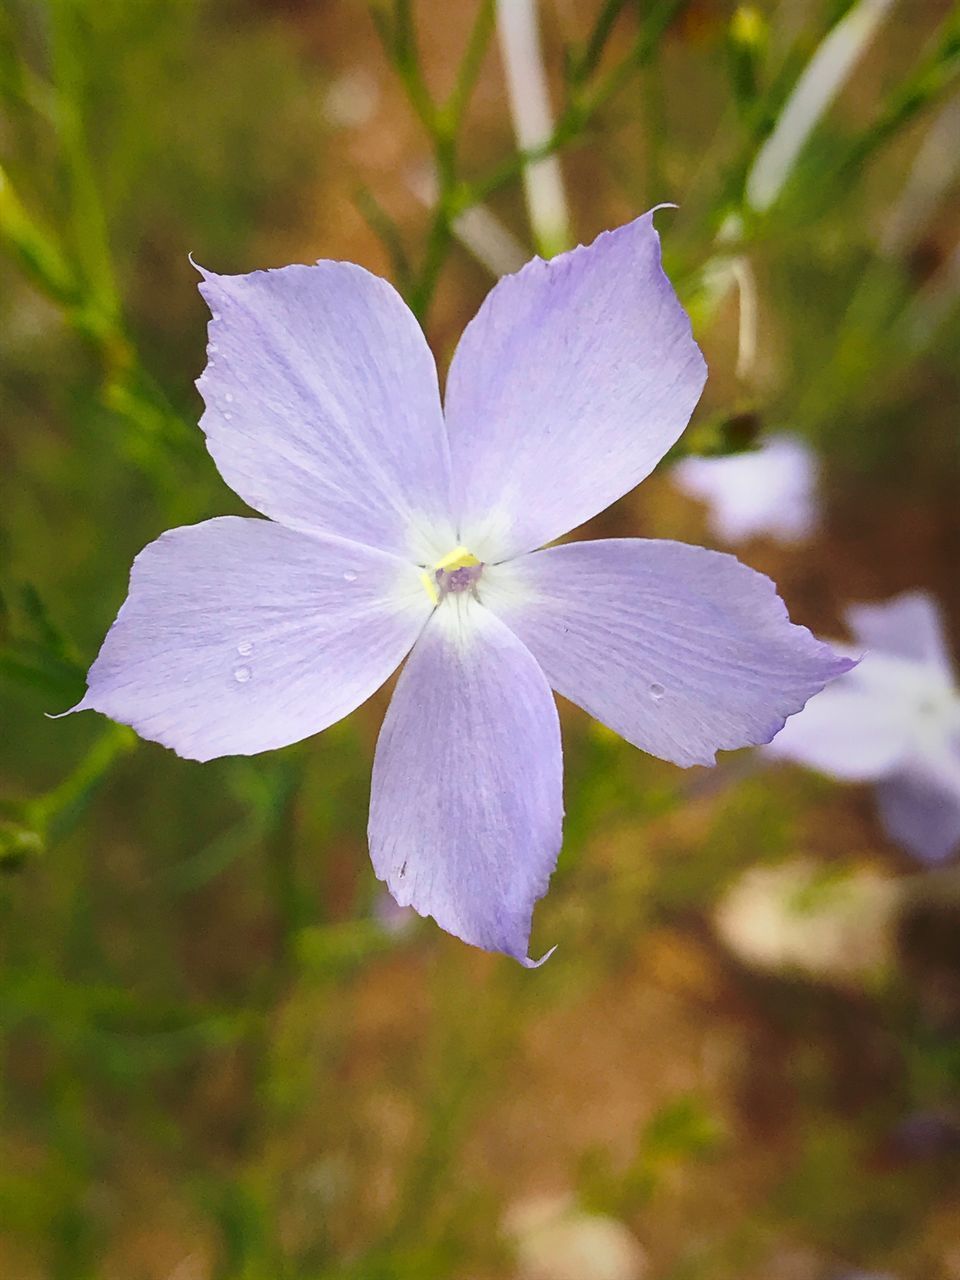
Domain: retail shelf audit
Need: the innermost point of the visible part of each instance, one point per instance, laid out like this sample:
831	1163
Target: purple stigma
462	579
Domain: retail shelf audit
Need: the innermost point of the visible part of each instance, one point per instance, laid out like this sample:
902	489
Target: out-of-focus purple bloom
769	492
894	720
401	526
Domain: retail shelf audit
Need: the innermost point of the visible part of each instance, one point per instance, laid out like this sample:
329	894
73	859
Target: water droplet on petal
349	576
242	675
656	691
245	648
228	417
229	397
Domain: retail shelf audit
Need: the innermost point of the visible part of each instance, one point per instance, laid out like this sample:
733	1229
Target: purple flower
770	491
895	721
404	529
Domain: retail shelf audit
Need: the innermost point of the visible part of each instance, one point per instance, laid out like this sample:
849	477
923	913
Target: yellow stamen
458	558
430	587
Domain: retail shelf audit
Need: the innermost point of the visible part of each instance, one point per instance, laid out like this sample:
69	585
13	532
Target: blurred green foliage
218	1060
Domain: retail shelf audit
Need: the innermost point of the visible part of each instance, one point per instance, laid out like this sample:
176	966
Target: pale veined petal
682	651
567	388
240	635
323	409
466	800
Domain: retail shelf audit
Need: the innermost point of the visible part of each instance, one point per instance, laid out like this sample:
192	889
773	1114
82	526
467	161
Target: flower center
457	571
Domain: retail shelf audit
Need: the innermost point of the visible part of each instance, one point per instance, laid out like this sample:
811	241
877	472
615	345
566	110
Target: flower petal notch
396	532
894	721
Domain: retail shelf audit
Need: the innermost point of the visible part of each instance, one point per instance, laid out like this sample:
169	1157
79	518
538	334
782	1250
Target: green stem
50	812
583	67
88	224
442	123
476	51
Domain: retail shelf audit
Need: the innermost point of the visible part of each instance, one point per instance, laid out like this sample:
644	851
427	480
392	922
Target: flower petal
567	388
239	636
466	802
920	810
323	409
907	626
682	651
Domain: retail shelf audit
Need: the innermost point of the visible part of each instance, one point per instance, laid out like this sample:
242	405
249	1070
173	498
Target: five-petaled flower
894	721
399	528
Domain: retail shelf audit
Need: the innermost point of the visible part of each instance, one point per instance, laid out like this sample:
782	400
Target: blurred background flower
766	492
220	1059
556	1240
802	918
893	720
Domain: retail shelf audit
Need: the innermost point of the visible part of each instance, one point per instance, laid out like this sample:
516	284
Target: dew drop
242	675
656	691
229	397
245	648
349	576
228	417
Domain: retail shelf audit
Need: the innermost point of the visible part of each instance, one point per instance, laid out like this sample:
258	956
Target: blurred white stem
533	122
821	81
721	273
479	230
491	243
